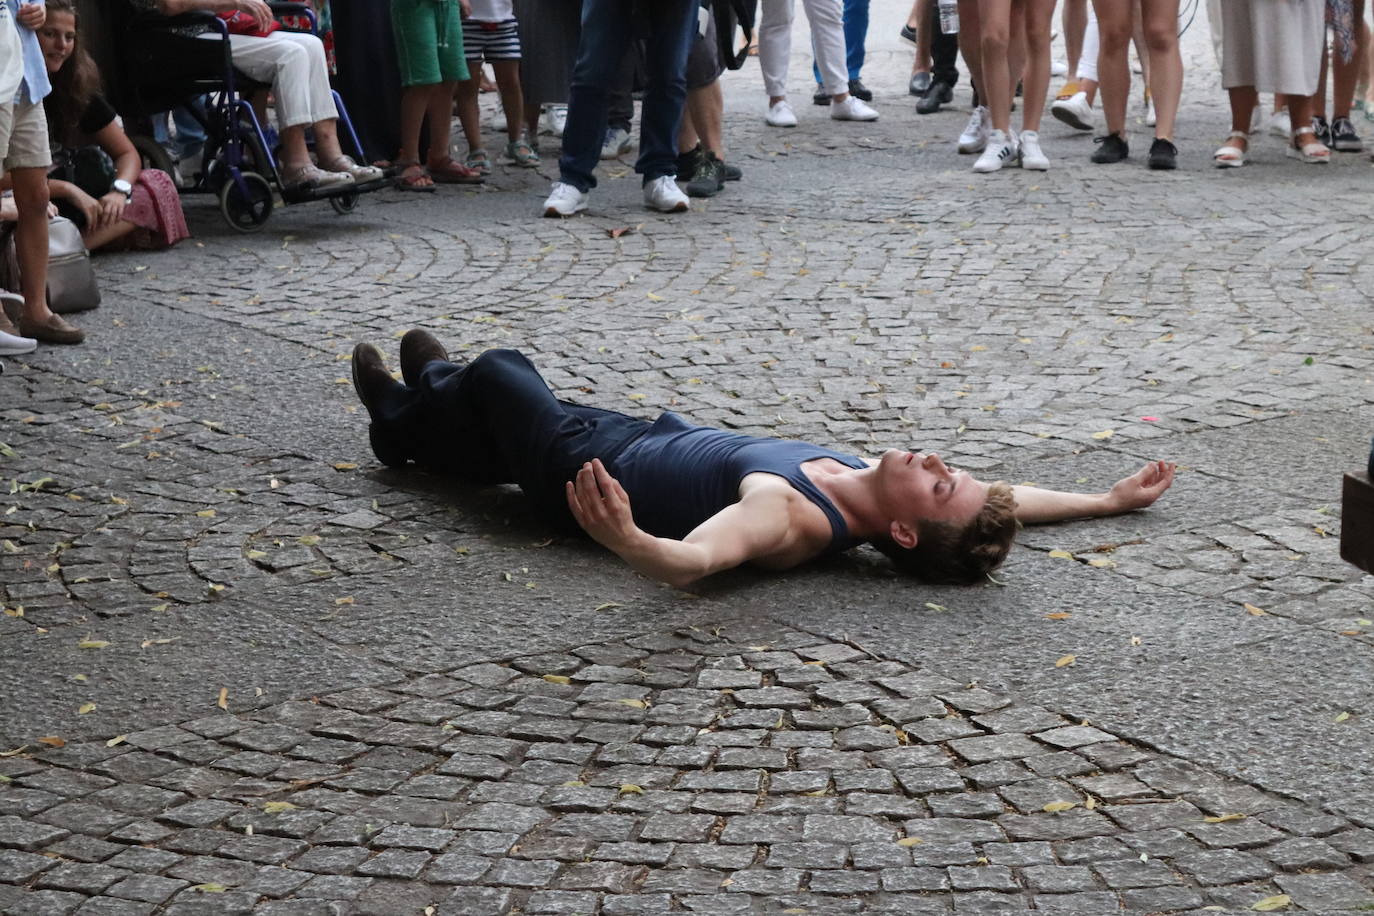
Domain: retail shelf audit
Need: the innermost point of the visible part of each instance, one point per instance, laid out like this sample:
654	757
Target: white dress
1273	45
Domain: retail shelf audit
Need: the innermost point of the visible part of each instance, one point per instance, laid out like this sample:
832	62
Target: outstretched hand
601	506
1143	487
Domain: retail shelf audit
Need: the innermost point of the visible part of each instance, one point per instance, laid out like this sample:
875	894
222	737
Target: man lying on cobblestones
679	502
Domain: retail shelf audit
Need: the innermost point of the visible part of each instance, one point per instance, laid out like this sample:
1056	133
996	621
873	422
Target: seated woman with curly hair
98	181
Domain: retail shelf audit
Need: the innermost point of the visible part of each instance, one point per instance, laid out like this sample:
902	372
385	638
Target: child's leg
440	121
468	114
507	74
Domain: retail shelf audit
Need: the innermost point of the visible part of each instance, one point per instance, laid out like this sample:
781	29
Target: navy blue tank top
678	475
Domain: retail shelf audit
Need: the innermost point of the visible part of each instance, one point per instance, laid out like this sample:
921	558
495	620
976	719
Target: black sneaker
1322	129
1343	137
731	172
821	97
860	91
908	34
1163	155
687	162
709	177
1111	148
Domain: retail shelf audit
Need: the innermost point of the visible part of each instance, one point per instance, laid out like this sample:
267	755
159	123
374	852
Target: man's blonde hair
959	554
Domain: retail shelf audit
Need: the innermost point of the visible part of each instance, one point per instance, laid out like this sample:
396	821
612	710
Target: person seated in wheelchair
294	64
97	180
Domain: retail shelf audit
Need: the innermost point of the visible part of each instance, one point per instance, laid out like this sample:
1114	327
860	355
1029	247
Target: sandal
412	176
1314	151
347	166
1232	156
309	176
478	160
519	152
450	171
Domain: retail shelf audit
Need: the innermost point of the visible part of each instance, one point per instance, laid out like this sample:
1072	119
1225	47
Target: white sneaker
1074	111
617	142
664	195
780	114
498	121
1059	67
852	108
564	200
1000	151
554	117
1279	124
975	135
1150	112
13	344
1029	153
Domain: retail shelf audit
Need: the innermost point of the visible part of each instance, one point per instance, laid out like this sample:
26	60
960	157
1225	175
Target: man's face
918	487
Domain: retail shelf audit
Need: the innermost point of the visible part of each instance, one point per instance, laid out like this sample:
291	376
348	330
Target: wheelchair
163	69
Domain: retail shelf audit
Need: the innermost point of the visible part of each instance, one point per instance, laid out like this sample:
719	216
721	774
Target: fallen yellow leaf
1061	554
277	807
557	679
85	708
1058	615
910	841
630	788
1055	807
93	644
1065	660
117	739
1223	818
1104	434
52	741
637	704
223	701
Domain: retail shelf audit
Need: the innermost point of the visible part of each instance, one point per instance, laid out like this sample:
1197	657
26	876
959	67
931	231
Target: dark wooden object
1357	521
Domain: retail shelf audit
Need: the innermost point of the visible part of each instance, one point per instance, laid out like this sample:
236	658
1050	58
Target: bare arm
1142	488
754	527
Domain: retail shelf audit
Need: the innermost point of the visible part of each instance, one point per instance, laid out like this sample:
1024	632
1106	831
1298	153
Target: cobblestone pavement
248	669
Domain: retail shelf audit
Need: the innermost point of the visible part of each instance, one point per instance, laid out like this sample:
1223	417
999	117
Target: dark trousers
608	27
494	420
944	50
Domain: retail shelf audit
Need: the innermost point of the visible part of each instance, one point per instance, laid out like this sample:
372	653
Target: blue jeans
190	138
608	26
855	34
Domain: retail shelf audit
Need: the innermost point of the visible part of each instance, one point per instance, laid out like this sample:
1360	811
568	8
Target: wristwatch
123	187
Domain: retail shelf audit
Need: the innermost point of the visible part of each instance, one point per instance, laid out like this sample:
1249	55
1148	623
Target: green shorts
429	41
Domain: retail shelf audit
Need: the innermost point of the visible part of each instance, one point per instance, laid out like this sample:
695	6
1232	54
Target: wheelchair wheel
345	203
153	156
246	214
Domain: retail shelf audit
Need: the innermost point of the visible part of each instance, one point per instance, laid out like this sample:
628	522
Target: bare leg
507	74
706	113
468	115
1113	68
1244	100
99	238
440	121
1166	64
1073	20
294	152
971	45
31	240
920	10
995	41
1038	16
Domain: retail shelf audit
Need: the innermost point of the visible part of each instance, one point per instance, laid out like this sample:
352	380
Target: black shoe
908	34
687	162
860	91
730	172
1343	136
709	177
419	348
1163	156
938	94
920	82
1322	129
1111	148
821	97
371	382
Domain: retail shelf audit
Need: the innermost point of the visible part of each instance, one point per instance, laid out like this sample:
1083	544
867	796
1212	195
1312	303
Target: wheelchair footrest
304	195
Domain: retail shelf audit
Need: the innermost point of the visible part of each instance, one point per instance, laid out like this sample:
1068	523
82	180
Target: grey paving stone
1325	892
